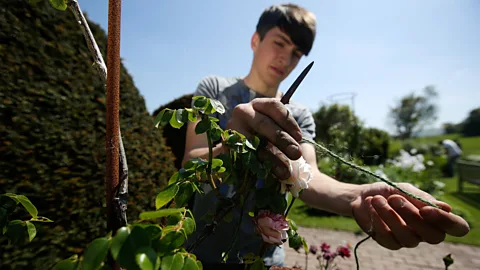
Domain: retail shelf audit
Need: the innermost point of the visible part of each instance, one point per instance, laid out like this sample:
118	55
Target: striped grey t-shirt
231	91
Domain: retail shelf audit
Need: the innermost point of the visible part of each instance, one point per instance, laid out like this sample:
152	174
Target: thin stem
306	260
237	230
290	206
210	157
390	183
355	250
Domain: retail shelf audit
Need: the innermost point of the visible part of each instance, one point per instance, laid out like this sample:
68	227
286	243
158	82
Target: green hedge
52	133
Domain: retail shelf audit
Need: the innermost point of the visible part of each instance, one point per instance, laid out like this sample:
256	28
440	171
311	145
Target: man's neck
253	82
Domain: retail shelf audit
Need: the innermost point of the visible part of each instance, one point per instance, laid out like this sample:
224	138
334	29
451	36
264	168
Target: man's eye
279	43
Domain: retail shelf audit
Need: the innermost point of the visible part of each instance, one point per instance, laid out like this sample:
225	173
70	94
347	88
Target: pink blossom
325	247
272	227
344	251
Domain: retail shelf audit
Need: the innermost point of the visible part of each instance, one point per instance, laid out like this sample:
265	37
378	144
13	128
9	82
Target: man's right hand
269	118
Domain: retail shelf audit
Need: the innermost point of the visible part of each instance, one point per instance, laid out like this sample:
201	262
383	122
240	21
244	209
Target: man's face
275	56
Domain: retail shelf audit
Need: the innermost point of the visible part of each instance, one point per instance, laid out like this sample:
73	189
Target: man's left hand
396	220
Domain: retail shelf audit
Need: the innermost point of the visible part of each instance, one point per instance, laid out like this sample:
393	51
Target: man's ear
255	41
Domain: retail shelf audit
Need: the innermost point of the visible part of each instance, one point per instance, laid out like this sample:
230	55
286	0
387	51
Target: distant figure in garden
453	152
284	34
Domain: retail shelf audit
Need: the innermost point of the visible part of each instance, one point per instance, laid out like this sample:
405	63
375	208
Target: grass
465	204
470	145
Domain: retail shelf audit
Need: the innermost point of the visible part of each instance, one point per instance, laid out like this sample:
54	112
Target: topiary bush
52	133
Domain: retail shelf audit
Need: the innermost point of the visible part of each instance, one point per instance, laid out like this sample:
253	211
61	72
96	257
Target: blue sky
381	50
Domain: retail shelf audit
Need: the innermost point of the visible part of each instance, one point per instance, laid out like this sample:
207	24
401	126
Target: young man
284	34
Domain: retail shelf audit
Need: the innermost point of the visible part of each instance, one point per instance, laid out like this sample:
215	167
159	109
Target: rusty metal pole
113	108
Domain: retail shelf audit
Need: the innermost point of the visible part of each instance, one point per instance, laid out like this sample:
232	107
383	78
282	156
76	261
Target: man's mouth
277	70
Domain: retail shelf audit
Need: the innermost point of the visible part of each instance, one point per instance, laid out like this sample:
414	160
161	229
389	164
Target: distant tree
471	125
413	112
337	127
452	128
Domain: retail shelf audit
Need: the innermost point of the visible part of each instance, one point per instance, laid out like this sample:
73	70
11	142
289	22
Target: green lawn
470	145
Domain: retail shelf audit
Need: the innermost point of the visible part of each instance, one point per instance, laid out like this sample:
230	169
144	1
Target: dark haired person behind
284	34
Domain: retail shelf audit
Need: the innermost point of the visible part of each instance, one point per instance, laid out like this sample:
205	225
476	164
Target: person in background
453	152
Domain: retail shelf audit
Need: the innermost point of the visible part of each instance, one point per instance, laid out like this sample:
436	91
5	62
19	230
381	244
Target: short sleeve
207	87
307	124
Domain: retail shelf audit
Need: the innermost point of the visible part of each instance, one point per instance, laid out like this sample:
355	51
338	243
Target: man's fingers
381	233
267	128
274	109
422	194
403	234
279	168
410	214
448	222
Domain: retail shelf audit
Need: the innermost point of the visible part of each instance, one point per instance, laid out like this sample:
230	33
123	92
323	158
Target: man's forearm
330	195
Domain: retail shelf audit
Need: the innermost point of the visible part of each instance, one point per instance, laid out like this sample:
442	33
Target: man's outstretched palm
395	220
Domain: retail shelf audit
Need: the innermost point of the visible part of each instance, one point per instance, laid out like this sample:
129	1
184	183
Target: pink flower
272	227
325	247
344	251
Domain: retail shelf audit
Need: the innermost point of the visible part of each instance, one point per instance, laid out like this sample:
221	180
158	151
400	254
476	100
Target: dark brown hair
298	23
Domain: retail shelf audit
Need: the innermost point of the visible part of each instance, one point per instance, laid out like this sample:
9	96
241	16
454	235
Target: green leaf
146	258
200	265
137	239
199	102
167	115
179	118
174	178
258	265
190	264
67	264
217	105
95	253
174	219
177	262
8	202
27	204
295	241
171	240
158	119
192	116
189	225
167	262
161	213
216	163
16	232
41	219
292	225
31	230
118	240
153	231
184	194
59	4
166	195
202	126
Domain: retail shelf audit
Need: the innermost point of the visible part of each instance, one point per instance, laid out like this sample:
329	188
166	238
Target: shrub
374	144
52	130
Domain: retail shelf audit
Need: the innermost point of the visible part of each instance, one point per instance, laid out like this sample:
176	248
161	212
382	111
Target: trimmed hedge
52	133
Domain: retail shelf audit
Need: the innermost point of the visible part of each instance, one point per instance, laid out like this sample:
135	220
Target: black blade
286	98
